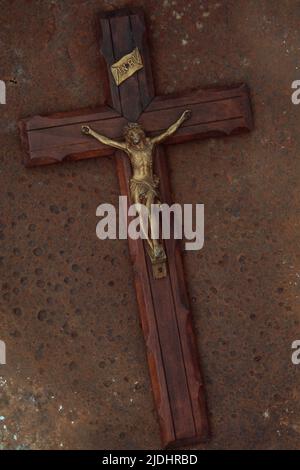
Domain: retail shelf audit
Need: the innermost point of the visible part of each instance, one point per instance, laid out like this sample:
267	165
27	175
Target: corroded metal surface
76	374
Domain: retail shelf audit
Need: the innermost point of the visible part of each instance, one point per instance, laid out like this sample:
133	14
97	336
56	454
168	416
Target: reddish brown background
76	375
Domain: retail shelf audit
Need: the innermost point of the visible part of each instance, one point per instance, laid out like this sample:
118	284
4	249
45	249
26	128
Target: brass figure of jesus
143	183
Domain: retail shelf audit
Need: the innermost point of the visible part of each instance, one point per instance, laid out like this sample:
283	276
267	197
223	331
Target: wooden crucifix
163	302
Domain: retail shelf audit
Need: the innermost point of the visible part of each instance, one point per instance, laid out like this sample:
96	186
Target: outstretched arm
104	140
173	128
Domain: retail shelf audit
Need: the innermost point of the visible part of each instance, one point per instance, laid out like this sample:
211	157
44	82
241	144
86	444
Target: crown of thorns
129	127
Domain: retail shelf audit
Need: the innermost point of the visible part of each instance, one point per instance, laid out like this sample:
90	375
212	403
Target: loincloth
140	189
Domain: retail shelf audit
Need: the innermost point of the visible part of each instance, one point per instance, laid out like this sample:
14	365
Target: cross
163	303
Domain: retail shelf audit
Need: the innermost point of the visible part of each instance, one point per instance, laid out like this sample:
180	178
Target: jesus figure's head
134	133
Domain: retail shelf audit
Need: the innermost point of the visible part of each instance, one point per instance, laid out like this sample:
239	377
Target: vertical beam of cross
165	317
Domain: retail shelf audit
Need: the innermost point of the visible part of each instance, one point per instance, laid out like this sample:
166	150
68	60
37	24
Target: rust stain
76	373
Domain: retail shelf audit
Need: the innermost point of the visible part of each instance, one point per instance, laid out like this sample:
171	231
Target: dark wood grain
183	311
148	319
170	346
122	31
58	137
215	112
170	340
